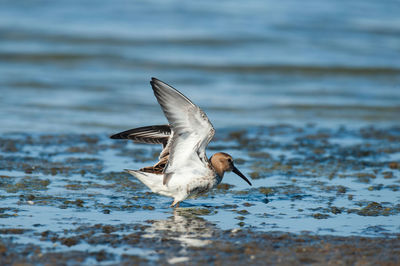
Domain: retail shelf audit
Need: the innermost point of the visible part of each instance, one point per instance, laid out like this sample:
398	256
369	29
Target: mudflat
323	196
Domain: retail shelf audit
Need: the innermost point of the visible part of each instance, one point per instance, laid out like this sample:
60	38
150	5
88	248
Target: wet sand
320	196
173	246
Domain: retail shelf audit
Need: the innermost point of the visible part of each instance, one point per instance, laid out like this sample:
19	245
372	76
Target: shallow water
62	189
304	96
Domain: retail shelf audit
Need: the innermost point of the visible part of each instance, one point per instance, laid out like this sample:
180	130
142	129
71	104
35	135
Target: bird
183	169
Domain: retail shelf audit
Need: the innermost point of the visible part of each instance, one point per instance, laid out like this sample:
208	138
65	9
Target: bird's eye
230	160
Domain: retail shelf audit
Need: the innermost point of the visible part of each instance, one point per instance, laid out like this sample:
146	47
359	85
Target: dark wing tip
154	80
154	86
116	136
158	84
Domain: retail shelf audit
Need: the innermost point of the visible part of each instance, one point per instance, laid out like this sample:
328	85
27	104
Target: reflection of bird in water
184	227
183	169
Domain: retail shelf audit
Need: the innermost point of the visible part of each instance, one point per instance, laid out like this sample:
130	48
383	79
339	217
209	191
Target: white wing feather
192	131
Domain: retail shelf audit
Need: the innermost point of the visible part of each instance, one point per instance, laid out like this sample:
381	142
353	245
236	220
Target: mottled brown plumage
157	134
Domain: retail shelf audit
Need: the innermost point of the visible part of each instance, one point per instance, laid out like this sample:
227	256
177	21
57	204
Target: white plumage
184	169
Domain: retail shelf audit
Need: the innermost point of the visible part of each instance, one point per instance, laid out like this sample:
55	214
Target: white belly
181	185
191	186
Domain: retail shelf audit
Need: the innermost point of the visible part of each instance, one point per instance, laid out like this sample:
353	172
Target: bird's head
223	162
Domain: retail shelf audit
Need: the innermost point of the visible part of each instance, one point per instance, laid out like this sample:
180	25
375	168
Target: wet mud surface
182	240
318	196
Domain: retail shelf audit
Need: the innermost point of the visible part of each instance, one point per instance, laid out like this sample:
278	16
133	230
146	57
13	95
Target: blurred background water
84	66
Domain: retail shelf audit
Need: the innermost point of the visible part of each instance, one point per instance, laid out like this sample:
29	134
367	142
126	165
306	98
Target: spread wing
158	134
192	131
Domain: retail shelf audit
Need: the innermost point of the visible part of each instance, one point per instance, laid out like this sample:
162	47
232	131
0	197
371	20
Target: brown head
223	162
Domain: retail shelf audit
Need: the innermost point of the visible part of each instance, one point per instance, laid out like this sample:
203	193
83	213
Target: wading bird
183	169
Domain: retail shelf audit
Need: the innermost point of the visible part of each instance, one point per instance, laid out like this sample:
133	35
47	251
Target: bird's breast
201	185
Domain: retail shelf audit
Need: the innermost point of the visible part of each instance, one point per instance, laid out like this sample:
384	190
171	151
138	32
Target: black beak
236	171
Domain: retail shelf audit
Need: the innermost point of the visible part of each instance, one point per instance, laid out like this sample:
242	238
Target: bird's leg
174	204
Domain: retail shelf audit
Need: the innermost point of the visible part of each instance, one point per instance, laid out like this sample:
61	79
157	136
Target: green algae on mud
325	181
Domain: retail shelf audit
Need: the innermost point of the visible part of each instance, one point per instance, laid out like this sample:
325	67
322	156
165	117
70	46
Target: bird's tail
152	181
